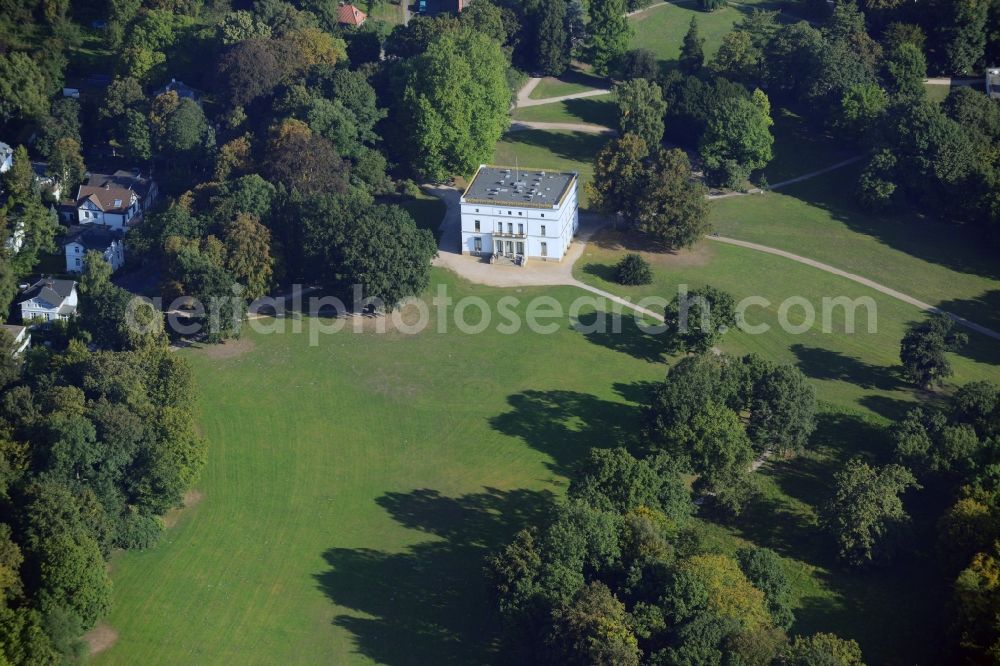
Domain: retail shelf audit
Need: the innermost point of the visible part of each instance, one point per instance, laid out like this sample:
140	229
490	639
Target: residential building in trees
48	300
81	239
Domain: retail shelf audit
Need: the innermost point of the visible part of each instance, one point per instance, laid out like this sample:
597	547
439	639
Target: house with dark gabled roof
48	300
81	239
115	200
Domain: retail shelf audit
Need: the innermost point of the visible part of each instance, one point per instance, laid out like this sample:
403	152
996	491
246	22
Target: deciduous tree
923	349
866	515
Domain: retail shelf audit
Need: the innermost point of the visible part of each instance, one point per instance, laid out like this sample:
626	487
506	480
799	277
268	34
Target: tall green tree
456	102
640	110
552	49
24	88
671	207
738	139
610	33
618	176
699	318
962	32
594	629
906	69
692	50
782	411
923	348
248	254
866	515
66	164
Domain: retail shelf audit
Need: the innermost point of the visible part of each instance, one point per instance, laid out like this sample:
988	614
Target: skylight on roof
118	202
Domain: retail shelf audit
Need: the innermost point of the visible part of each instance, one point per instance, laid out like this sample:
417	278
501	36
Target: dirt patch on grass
100	638
191	498
631	241
229	348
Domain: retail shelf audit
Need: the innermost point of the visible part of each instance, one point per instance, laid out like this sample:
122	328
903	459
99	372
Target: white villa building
519	214
48	300
83	238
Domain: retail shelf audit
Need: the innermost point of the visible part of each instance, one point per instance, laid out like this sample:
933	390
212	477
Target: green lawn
566	151
384	10
598	110
353	489
572	82
662	28
939	263
937	93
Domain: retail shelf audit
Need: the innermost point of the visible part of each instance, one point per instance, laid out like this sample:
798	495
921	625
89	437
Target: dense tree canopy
454	104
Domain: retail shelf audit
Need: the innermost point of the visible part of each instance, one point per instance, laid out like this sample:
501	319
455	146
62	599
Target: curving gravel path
540	273
881	288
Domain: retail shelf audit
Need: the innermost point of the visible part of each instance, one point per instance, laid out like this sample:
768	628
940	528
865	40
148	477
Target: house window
477	244
543	229
477	225
509	213
510	227
477	210
520	228
543	214
520	213
500	227
78	261
545	249
76	248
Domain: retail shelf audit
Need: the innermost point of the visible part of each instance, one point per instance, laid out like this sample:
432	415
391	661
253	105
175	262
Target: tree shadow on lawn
622	333
784	516
565	424
893	409
820	363
956	247
599	111
572	146
898	614
984	310
432	603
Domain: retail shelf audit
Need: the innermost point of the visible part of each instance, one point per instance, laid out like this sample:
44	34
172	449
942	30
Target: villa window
543	229
520	228
500	227
477	225
477	243
545	249
510	227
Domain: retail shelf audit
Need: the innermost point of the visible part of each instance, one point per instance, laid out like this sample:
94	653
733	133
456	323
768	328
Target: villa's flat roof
510	186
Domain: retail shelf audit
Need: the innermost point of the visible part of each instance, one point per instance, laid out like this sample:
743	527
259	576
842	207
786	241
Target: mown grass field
597	110
940	263
574	80
661	29
353	489
385	10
